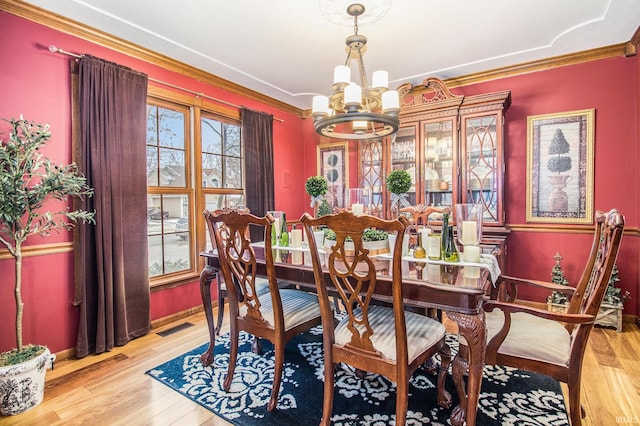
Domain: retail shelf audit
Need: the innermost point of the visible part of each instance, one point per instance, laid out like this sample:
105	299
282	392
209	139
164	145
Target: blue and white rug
508	396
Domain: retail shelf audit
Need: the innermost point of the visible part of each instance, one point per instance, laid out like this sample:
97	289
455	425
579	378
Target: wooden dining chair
419	216
384	340
553	343
278	315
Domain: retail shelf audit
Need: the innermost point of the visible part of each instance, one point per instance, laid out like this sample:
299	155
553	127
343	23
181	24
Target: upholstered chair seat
298	307
422	332
531	337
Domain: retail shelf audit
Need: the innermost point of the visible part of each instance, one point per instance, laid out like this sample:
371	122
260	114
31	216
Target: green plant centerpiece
374	240
29	185
557	164
398	183
316	187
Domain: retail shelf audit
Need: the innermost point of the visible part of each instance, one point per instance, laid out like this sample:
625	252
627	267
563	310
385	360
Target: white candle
472	272
425	236
472	254
433	246
352	94
357	209
469	232
380	80
341	74
296	238
297	257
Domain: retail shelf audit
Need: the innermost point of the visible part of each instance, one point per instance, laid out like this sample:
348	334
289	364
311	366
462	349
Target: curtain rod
55	49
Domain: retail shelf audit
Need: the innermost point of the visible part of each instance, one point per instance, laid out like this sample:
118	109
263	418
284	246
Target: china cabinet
451	145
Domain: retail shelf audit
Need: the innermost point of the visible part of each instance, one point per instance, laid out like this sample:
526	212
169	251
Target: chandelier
357	111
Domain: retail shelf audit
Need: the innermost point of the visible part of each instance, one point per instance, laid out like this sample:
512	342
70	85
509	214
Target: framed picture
333	164
560	167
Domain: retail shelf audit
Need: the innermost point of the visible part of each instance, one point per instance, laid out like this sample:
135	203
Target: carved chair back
592	286
230	232
353	275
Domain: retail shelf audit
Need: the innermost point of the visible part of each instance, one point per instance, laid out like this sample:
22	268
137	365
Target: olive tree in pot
28	182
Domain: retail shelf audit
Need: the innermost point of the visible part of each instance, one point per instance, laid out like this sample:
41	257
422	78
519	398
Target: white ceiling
287	49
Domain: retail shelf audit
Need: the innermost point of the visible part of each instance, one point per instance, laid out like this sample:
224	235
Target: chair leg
444	397
327	405
575	408
222	294
402	400
233	357
277	376
220	314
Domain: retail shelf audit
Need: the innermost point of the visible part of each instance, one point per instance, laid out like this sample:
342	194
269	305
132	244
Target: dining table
457	289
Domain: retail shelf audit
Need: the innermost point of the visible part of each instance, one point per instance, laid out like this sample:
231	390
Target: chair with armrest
551	343
371	338
278	315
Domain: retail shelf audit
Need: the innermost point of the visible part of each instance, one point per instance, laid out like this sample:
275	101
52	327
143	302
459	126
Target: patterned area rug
508	396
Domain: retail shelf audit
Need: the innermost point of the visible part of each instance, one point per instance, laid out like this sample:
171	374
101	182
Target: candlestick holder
469	230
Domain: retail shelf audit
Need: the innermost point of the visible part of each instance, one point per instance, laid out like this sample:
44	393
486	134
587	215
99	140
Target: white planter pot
608	315
22	385
374	247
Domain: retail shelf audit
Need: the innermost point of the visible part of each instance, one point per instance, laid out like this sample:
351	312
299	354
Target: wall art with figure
560	167
333	163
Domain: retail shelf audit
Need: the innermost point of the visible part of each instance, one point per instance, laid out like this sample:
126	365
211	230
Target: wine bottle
419	252
443	236
284	235
450	252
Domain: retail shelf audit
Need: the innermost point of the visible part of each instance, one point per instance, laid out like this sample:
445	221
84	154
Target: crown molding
77	29
52	20
606	52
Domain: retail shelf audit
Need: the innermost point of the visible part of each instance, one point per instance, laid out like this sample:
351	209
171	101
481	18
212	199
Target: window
222	165
187	171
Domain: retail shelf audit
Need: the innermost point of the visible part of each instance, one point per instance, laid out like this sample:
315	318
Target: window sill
172	282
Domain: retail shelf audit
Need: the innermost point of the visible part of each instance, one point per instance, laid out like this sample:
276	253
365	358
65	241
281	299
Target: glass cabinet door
482	165
403	156
372	177
439	158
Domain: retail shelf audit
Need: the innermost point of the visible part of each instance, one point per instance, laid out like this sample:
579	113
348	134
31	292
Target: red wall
610	86
35	82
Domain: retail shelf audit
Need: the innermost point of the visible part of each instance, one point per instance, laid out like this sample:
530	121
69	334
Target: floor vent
175	329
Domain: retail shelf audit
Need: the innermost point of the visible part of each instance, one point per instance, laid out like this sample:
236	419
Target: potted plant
316	187
559	163
398	183
28	181
374	240
610	313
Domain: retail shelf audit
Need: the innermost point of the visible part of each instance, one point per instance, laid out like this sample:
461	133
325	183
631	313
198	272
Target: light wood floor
112	389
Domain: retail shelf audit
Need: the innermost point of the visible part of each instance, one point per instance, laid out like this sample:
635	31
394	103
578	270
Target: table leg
472	328
206	276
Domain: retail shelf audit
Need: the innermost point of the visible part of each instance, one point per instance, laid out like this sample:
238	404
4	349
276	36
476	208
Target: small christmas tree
557	277
613	294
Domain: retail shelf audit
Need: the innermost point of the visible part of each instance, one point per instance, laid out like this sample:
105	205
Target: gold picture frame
333	164
560	158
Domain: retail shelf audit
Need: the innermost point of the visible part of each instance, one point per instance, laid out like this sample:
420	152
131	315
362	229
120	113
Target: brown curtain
257	137
113	269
